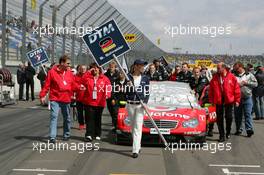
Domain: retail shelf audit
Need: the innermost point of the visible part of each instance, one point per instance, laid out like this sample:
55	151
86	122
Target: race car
176	112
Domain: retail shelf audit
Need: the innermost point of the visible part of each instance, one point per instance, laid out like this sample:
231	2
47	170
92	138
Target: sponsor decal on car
169	114
163	131
192	132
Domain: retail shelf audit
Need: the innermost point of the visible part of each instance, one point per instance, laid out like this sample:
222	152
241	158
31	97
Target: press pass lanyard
95	89
64	82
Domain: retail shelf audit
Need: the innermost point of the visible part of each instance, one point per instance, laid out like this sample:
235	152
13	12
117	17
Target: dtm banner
37	57
105	42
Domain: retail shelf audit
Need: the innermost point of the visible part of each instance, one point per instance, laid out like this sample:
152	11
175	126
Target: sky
154	17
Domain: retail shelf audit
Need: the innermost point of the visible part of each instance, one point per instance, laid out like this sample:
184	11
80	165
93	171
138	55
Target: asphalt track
25	125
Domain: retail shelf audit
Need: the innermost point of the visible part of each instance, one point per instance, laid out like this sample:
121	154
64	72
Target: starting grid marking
226	170
40	170
235	166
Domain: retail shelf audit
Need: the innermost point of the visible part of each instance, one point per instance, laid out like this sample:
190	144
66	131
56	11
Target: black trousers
30	83
21	91
80	112
93	120
224	111
210	127
113	110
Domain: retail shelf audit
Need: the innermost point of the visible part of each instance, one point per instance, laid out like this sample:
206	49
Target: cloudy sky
246	19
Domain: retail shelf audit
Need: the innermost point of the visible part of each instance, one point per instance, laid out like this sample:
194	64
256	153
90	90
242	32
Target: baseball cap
140	61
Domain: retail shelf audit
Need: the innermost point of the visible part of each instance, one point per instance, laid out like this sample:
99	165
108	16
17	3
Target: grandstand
67	13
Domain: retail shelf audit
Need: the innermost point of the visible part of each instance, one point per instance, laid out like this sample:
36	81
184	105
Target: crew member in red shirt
79	96
98	89
60	83
224	92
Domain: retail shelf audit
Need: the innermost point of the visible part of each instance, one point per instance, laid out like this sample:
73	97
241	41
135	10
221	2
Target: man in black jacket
198	82
21	80
42	75
112	74
163	74
152	73
118	96
30	72
185	75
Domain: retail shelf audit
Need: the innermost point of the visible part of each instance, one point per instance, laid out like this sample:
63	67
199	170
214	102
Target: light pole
40	20
54	21
24	25
64	25
3	33
87	19
74	25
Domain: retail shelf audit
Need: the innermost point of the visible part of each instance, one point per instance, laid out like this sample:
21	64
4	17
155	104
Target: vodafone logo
169	114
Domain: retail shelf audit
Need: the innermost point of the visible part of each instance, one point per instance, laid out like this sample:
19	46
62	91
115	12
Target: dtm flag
37	57
106	41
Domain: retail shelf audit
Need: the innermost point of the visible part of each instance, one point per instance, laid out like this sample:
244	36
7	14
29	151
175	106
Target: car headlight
192	123
127	121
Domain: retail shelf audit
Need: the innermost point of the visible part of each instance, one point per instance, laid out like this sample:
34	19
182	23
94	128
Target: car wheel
117	139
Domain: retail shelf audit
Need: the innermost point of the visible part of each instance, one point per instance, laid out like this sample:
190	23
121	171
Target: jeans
54	113
259	107
245	108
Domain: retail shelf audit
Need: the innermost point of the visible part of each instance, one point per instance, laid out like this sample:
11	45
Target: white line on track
240	166
40	170
226	171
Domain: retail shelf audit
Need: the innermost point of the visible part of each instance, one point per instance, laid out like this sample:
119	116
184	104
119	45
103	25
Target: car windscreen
172	94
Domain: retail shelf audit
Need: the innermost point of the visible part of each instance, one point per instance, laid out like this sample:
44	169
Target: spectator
174	75
247	82
258	93
206	72
250	68
161	70
152	74
198	82
185	75
112	74
98	89
21	80
79	95
30	72
224	92
30	47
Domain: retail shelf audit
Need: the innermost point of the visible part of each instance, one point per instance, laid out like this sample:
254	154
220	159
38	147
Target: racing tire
117	139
